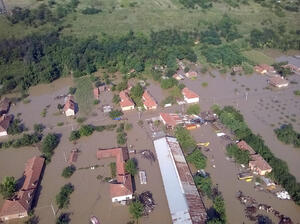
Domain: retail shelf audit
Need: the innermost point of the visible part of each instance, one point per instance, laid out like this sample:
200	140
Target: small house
264	69
259	165
170	120
190	96
178	76
96	93
126	103
149	102
4	106
70	106
191	74
278	81
242	145
5	121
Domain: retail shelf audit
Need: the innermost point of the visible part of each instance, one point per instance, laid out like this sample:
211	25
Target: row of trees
240	156
232	118
87	130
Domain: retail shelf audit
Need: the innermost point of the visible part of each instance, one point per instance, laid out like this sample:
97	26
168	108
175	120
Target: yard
84	94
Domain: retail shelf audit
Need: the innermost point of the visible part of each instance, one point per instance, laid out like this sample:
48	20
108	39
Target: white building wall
70	112
127	108
122	198
192	100
3	133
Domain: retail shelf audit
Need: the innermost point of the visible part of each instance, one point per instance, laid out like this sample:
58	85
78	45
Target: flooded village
164	176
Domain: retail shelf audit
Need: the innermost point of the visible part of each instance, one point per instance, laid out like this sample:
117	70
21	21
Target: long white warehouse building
185	203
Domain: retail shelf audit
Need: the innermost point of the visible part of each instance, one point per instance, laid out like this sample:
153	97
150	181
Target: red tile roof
125	99
124	185
5	122
22	202
191	74
264	68
96	93
245	147
259	163
189	93
170	119
149	102
70	104
277	80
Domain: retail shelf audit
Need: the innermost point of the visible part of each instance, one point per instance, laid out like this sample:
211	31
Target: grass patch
84	94
258	57
204	84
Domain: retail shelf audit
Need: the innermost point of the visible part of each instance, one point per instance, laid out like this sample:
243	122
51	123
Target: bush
15	127
130	167
193	109
49	143
74	135
288	135
63	197
204	184
86	130
116	99
115	114
80	120
90	11
38	128
239	155
122	138
68	171
113	169
96	102
197	158
8	187
63	219
185	140
297	92
128	126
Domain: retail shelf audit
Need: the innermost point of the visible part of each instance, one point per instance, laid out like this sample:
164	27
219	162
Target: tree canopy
8	187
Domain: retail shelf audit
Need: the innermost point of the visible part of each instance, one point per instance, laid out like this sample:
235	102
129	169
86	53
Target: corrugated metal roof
184	201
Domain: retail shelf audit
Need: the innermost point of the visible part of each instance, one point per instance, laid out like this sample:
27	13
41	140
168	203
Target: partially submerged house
264	69
178	76
170	120
96	92
191	74
148	101
278	81
185	203
245	147
121	190
259	165
190	96
5	121
4	106
126	103
20	205
70	106
292	67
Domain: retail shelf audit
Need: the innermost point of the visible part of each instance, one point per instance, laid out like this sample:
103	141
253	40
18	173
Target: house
149	102
292	67
20	205
237	69
70	106
189	96
170	120
259	165
185	203
121	190
278	81
5	121
178	76
4	106
96	92
245	147
126	103
191	74
264	69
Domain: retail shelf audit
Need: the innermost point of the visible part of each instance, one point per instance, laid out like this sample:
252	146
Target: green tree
185	140
8	187
130	167
219	206
68	171
63	197
197	158
204	183
115	114
86	130
136	209
121	138
74	135
193	109
49	143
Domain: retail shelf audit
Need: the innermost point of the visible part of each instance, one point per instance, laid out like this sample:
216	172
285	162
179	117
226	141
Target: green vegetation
204	184
115	114
185	140
25	140
232	118
44	112
136	209
219	206
72	90
80	120
288	135
193	109
49	143
197	158
297	92
122	136
239	155
113	169
128	126
282	70
63	197
116	99
87	130
68	171
258	57
84	95
136	93
59	124
8	187
63	219
15	127
204	84
130	167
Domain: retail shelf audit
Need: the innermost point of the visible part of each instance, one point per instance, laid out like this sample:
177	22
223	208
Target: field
258	57
84	95
120	16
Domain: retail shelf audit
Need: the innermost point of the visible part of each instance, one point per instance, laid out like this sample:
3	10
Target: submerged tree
8	187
